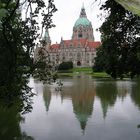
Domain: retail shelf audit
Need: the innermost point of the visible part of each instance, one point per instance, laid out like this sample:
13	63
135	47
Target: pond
85	109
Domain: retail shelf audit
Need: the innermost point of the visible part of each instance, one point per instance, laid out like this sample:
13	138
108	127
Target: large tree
17	42
120	51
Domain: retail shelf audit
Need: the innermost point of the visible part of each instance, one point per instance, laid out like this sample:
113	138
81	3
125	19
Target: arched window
80	35
70	54
78	63
78	55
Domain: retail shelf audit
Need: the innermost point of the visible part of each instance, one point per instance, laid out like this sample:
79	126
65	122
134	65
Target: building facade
80	49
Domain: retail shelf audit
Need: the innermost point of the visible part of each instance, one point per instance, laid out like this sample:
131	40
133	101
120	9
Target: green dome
82	21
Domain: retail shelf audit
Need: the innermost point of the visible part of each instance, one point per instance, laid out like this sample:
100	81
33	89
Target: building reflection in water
82	91
82	94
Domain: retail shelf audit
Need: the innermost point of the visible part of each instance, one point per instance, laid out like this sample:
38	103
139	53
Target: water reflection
46	97
82	95
80	92
107	93
124	88
10	120
135	94
86	109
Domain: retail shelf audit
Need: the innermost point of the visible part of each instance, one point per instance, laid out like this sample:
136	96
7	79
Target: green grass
86	70
83	69
100	75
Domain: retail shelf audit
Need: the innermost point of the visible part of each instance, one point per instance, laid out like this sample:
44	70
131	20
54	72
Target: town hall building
80	49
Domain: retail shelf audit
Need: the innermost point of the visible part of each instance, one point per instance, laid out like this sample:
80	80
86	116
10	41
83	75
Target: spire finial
61	38
83	7
83	12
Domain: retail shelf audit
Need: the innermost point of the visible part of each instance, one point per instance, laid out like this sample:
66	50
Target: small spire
83	12
46	38
61	38
46	35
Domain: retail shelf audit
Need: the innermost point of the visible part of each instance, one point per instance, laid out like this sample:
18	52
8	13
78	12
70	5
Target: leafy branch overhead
19	26
131	5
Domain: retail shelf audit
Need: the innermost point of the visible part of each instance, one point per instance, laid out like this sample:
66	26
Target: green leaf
131	5
3	13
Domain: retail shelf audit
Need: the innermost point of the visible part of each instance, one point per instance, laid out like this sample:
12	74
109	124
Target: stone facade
81	49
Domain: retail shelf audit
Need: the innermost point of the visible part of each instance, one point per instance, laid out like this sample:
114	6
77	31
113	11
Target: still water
85	109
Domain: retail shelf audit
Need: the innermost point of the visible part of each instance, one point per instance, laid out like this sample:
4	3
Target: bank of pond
87	71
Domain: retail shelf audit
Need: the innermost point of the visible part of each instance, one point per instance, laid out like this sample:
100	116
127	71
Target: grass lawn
100	75
83	69
86	70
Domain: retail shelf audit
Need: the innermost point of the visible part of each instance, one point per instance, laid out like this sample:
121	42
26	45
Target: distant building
81	49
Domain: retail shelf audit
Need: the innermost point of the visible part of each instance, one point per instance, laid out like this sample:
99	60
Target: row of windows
93	61
75	50
76	54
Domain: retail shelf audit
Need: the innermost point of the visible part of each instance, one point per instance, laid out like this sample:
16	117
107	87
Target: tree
45	70
120	41
65	66
99	61
132	5
17	43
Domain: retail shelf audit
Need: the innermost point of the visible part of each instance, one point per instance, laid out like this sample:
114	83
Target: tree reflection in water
135	95
83	90
107	93
47	97
10	123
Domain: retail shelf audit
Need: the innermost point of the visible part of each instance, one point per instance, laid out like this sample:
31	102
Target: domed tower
83	28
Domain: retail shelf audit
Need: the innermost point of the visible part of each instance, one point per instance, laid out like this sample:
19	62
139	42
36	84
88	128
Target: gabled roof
55	46
95	44
75	43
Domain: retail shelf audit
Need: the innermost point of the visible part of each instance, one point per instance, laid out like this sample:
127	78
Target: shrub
65	66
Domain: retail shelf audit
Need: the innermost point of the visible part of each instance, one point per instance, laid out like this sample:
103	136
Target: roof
55	46
82	21
75	43
95	44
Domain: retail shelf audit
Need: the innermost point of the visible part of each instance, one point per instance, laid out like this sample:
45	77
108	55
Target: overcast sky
67	14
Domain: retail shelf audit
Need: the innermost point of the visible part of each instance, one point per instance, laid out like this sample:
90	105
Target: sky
67	14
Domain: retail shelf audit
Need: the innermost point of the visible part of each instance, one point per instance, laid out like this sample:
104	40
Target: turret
46	41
